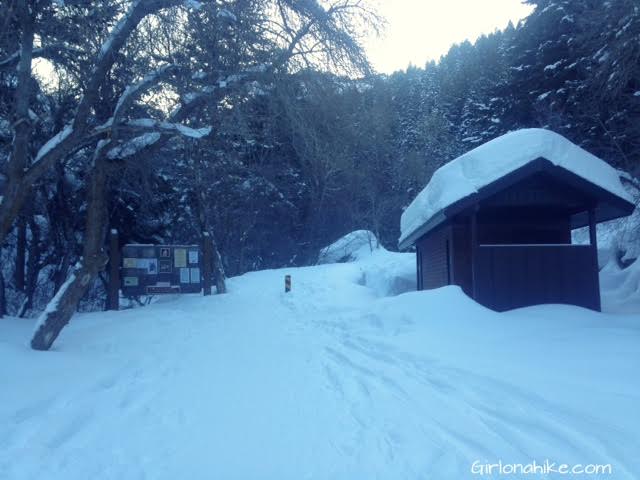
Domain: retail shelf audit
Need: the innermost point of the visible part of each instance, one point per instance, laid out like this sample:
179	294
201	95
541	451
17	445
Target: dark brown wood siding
539	190
461	255
523	225
432	251
512	276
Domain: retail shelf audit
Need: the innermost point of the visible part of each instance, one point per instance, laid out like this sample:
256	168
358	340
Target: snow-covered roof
467	174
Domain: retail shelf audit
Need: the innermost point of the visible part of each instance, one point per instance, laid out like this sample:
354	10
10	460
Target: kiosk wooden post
113	288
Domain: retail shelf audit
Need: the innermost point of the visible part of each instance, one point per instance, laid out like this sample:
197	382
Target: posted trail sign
157	269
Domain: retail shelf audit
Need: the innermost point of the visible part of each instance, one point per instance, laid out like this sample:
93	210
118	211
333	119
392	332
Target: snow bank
388	273
620	288
385	273
481	166
351	247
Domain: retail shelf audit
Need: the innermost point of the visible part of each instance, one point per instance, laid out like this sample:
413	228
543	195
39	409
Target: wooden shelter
508	244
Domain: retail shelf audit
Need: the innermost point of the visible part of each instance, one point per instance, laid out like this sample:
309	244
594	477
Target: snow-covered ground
335	380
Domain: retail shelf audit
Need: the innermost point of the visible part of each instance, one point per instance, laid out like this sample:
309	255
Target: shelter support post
593	240
474	253
418	268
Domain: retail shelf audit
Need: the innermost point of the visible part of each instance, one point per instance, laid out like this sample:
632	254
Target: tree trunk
33	268
61	271
15	195
205	226
62	307
218	268
207	263
21	254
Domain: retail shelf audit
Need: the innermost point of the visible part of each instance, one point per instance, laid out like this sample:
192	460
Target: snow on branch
53	142
122	29
13	59
72	136
5	128
118	36
192	4
167	127
227	15
133	146
156	129
137	11
192	98
132	90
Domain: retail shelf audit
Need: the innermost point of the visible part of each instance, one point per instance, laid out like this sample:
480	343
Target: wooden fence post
207	249
113	293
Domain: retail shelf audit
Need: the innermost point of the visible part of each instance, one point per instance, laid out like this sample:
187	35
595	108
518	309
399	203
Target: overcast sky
422	30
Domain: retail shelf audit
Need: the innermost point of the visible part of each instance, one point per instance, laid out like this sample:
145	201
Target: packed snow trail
330	381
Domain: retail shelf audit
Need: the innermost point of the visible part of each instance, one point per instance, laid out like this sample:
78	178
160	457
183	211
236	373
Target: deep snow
331	381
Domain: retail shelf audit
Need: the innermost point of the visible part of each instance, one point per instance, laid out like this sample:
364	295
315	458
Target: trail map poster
158	269
180	258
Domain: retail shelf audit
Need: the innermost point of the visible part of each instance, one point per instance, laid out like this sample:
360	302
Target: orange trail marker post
287	283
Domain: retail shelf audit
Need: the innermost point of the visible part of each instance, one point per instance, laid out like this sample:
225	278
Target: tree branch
130	93
49	51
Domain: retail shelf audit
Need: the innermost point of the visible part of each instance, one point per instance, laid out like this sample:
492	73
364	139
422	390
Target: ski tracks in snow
476	416
394	396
